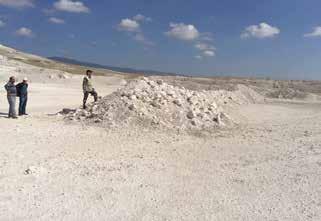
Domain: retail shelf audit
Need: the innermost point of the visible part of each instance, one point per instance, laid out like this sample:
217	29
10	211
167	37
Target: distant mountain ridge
112	68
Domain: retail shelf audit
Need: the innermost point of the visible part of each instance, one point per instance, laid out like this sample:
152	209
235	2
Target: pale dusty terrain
267	167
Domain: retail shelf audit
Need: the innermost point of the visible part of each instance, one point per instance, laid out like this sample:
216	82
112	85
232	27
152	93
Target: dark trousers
86	94
22	104
12	105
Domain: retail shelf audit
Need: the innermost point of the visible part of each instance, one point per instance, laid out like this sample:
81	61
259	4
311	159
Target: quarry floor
266	168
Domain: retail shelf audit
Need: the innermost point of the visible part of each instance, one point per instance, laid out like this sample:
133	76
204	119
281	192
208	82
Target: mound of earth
149	103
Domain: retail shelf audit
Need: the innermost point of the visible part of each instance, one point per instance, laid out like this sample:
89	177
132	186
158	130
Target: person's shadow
3	115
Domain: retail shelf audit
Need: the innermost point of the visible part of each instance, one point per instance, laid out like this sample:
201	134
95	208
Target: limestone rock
144	102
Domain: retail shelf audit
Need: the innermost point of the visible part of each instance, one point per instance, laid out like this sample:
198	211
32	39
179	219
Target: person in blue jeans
11	96
22	93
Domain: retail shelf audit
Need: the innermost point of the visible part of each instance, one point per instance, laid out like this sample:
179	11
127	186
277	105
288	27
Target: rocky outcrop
149	103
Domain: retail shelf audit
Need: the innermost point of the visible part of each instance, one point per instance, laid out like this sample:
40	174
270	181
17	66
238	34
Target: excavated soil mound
148	103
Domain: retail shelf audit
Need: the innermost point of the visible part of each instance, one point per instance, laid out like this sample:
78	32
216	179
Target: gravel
147	103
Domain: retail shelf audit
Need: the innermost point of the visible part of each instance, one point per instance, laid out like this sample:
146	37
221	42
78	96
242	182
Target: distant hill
112	68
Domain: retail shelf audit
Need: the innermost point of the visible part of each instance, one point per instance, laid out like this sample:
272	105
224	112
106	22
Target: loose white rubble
149	103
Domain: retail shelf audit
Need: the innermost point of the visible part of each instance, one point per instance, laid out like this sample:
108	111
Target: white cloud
25	32
56	20
2	24
261	31
206	49
203	46
132	26
129	25
315	33
209	53
71	6
183	32
142	18
140	37
207	36
17	3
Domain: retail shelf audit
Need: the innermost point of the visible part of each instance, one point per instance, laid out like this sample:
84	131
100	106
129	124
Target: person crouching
11	96
88	88
22	93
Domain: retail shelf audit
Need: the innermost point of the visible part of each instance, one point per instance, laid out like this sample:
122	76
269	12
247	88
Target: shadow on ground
3	115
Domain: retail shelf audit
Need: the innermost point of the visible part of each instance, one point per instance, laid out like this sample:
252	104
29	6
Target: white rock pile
148	103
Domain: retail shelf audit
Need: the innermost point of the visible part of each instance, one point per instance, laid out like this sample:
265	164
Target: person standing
88	88
11	96
22	93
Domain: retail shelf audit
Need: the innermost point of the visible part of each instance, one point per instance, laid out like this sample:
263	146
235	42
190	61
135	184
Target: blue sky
279	39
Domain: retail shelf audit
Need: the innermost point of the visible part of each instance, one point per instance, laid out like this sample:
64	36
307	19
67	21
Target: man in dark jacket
11	96
22	93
